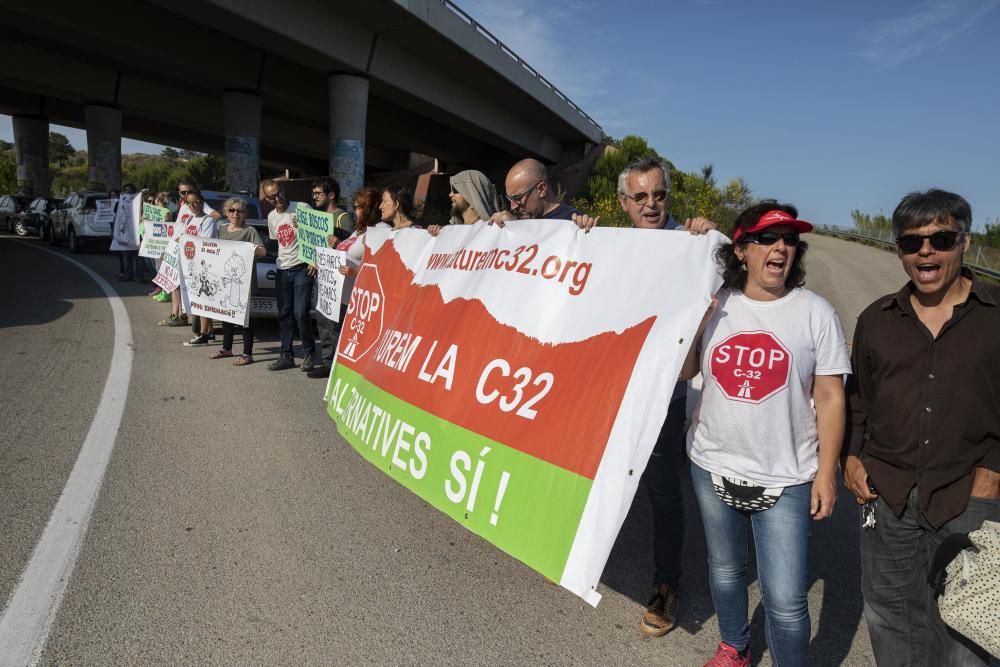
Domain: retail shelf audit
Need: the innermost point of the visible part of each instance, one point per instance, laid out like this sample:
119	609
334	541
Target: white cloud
929	25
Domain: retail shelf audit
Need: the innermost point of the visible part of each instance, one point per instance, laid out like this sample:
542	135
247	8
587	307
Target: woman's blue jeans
781	536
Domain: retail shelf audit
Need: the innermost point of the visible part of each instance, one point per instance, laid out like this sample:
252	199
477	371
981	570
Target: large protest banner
124	234
329	282
216	278
313	227
157	232
168	275
517	378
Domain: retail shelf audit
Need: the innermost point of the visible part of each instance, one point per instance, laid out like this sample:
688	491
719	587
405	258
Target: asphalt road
234	526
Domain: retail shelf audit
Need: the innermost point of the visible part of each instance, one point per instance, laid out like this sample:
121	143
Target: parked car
35	217
11	207
74	222
263	290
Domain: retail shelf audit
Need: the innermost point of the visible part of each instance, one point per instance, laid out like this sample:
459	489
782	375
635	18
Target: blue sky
831	106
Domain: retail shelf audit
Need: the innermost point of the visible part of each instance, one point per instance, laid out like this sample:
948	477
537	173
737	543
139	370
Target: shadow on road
834	564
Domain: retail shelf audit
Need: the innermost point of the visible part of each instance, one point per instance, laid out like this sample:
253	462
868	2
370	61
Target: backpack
966	573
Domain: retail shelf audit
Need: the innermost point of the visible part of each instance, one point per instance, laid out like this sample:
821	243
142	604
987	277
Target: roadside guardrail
980	263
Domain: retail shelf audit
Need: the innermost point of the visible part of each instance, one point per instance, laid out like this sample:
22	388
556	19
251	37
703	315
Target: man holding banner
644	194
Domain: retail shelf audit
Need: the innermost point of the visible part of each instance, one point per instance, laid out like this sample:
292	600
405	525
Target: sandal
243	360
221	353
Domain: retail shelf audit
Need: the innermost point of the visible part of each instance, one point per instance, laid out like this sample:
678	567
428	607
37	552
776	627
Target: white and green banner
517	378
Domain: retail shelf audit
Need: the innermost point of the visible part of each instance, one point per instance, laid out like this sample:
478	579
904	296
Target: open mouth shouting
776	267
928	271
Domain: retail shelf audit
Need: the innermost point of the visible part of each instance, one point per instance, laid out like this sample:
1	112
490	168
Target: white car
75	222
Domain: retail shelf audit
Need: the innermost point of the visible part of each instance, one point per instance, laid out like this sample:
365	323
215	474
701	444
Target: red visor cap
772	218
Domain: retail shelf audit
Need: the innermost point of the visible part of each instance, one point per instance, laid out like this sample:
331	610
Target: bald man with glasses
531	197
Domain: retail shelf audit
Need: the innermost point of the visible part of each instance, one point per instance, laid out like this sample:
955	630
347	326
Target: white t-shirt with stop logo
755	419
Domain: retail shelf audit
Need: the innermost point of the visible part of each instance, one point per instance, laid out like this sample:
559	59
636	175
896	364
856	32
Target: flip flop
243	360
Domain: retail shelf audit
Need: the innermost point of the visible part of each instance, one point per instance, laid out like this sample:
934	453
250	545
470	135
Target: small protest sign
329	282
168	276
105	211
314	226
217	276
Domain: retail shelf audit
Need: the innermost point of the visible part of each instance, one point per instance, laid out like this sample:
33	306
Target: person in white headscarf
473	198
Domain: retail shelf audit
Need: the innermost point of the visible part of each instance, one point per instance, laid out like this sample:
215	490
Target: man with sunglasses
294	281
644	194
531	197
922	450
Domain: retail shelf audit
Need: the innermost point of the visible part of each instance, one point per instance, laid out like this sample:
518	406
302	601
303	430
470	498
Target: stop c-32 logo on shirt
750	366
286	235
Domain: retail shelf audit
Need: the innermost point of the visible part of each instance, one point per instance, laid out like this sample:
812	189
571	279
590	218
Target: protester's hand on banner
501	218
585	222
348	271
311	271
434	230
699	225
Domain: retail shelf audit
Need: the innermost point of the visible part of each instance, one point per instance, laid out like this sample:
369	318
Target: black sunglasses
640	198
770	238
912	243
232	209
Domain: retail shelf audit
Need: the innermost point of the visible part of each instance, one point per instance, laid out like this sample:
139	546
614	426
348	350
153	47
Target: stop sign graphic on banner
750	366
363	325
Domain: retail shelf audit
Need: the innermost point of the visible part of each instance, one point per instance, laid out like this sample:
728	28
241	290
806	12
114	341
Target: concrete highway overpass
303	84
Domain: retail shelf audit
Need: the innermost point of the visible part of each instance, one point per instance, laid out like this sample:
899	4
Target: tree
8	172
169	152
60	150
5	146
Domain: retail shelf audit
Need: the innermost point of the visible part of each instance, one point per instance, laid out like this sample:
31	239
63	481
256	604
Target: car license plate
263	305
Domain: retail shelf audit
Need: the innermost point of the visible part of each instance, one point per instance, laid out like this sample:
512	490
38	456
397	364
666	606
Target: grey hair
234	200
642	165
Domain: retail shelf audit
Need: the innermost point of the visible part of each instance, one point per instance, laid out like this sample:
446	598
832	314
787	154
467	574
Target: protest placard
104	211
168	275
313	228
153	213
124	233
217	276
516	379
156	232
329	282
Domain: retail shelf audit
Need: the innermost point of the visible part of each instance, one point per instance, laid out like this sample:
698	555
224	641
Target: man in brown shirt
922	453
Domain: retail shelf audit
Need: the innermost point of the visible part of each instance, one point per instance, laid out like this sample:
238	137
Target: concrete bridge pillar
242	113
104	147
31	150
348	120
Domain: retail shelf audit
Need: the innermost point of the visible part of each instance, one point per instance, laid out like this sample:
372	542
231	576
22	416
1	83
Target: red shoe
727	656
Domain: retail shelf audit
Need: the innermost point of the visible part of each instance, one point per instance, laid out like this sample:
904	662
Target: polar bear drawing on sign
235	269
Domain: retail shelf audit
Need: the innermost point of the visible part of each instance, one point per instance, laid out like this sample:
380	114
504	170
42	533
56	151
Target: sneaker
283	362
308	363
172	321
162	297
727	656
197	341
661	612
319	372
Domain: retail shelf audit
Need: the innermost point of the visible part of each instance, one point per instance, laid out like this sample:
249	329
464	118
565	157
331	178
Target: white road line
32	607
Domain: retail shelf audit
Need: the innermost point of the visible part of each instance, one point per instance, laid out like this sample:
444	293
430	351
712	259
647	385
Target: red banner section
456	361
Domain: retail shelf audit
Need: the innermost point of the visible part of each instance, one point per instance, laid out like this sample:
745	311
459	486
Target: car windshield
252	212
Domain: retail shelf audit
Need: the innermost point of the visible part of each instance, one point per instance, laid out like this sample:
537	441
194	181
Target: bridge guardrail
478	27
985	261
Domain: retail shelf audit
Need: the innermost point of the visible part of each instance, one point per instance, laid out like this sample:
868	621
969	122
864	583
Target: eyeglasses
236	210
912	243
318	193
183	193
455	192
519	199
641	198
277	195
770	238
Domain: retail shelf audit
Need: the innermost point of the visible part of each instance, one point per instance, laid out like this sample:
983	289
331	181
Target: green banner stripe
461	473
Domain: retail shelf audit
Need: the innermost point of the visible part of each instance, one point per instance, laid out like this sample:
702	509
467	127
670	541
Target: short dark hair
923	208
329	185
403	198
734	275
